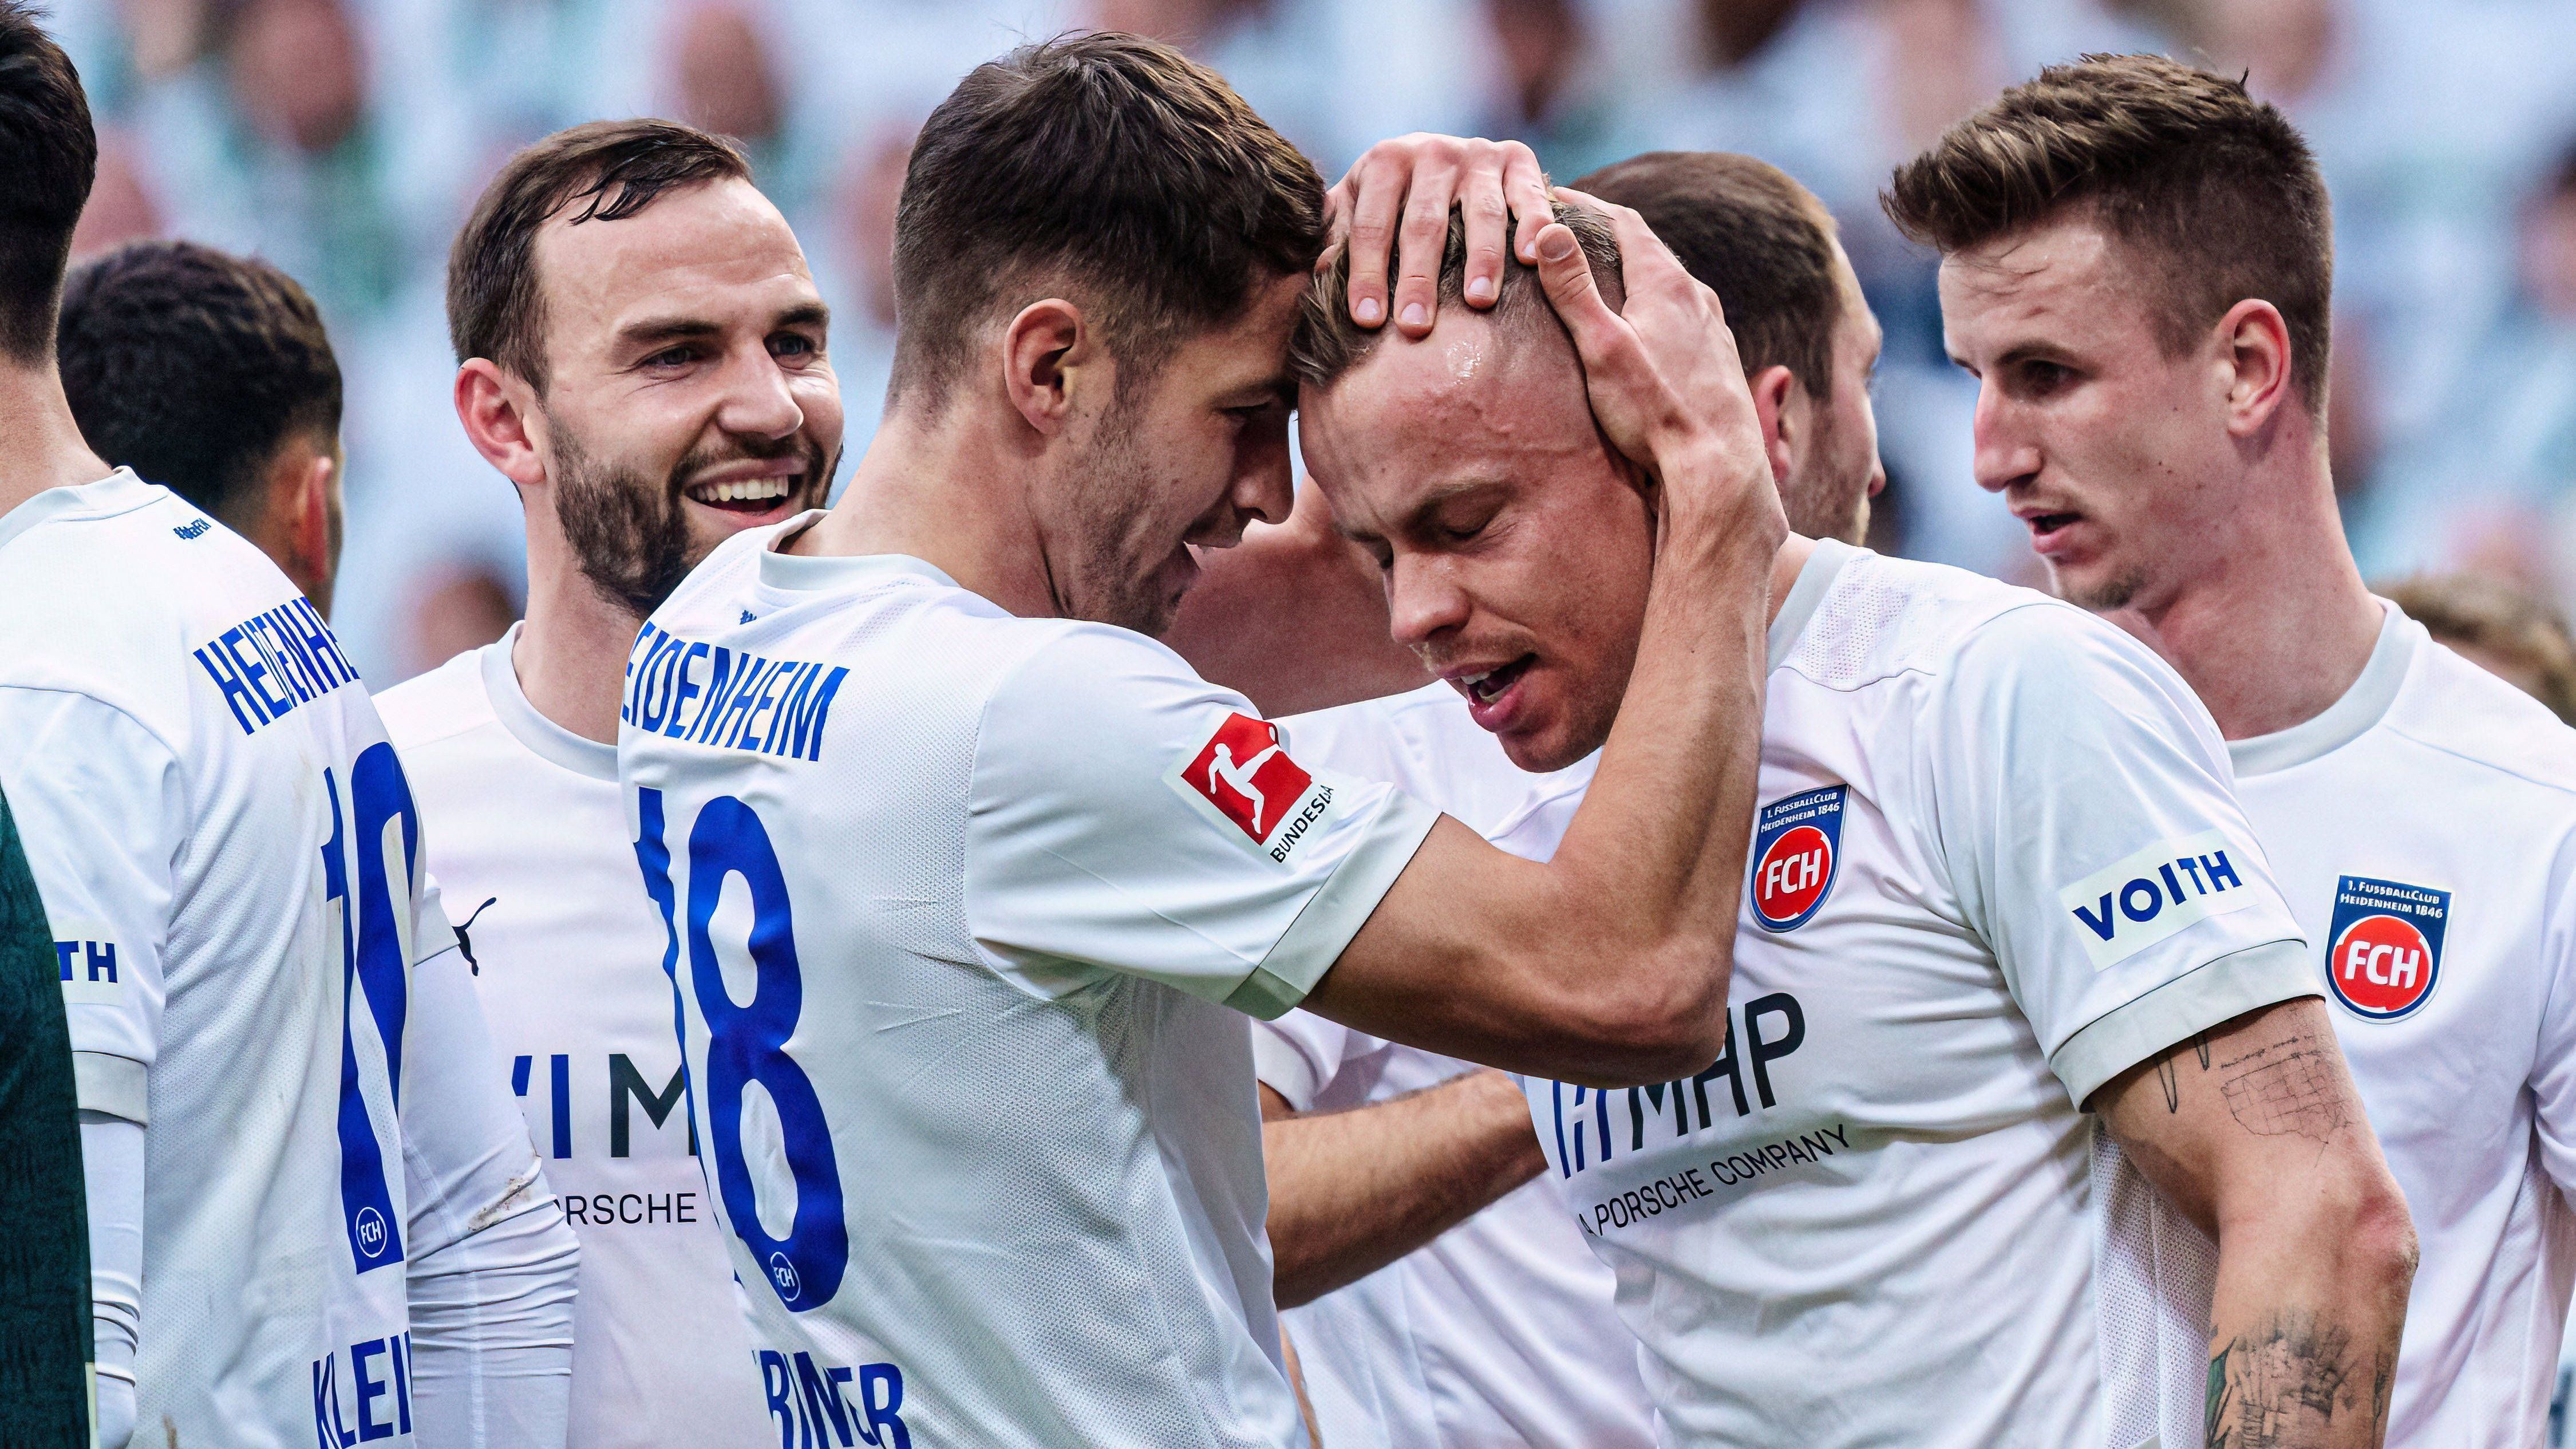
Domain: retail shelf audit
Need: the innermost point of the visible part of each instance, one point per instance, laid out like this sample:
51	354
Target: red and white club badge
1797	843
2384	948
1243	776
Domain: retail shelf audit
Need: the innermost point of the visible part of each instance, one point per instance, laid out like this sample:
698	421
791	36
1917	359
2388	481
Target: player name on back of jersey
273	662
708	694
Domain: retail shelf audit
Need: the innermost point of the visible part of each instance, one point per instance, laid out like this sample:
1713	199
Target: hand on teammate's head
1392	210
1661	369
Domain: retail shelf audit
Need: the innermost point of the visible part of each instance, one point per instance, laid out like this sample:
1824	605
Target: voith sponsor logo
1242	778
1797	848
2154	894
2384	946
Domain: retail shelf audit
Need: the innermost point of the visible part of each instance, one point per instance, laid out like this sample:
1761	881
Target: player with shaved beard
2137	267
1944	1180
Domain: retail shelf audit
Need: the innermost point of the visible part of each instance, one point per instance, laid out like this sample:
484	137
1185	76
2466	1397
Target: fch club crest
2384	948
1797	847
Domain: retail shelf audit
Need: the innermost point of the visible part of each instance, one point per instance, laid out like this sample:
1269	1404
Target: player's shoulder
2451	706
114	585
438	705
1883	617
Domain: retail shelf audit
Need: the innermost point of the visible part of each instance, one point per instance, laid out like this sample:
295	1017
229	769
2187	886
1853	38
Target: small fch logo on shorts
1797	846
2384	949
1241	777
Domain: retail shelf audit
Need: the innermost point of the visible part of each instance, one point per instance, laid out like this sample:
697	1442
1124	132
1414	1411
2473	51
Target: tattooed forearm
2294	1382
2169	1071
2288	1086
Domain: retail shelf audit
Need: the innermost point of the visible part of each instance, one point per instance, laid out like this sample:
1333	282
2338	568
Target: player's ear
304	496
502	420
2257	343
1046	349
1783	425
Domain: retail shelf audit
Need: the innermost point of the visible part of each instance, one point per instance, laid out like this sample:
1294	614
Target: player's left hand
1392	210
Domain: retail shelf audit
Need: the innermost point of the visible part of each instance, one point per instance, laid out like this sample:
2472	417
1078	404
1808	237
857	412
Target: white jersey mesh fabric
2154	1273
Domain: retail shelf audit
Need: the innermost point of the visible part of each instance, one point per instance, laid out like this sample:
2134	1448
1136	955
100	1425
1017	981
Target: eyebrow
652	331
1414	516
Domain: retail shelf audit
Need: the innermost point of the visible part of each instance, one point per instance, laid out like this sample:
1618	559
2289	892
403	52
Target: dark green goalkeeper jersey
44	1236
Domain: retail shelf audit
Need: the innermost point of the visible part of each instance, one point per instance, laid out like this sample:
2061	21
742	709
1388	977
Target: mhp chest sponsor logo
2384	947
2126	907
1797	847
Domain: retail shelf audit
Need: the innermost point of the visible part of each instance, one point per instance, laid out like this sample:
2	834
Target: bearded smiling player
2137	267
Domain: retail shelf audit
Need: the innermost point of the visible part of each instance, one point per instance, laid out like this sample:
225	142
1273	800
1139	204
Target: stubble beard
1104	581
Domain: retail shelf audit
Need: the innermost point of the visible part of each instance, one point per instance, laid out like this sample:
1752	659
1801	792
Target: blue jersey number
372	968
747	1042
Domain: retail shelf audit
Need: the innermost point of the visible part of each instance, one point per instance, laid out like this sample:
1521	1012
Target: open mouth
1487	685
748	495
2051	522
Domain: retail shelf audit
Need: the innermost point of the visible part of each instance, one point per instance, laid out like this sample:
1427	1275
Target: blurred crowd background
344	140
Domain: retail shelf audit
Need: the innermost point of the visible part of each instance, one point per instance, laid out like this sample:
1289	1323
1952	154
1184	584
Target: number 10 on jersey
746	1041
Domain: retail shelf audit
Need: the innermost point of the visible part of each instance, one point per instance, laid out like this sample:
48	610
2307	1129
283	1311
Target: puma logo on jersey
2384	946
1241	777
2126	907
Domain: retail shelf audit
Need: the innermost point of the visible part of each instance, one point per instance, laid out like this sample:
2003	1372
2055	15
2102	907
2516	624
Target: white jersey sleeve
1301	1054
1116	797
103	814
2553	1077
2084	804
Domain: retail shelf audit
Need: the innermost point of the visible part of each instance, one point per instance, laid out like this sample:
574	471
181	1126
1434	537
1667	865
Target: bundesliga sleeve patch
2384	946
2128	906
1797	843
1241	779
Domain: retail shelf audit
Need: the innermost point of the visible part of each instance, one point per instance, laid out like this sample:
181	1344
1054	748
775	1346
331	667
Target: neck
45	449
571	654
952	492
1785	567
2275	624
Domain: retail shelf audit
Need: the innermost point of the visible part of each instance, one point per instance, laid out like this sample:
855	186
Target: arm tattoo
2170	1077
2283	1384
2286	1086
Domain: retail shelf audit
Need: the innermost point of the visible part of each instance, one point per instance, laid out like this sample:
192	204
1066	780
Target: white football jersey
1995	863
965	911
529	845
230	856
2424	830
1500	1332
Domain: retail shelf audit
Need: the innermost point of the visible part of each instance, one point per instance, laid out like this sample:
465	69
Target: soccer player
311	1212
968	882
44	1264
1997	883
211	375
641	352
2137	268
1501	1329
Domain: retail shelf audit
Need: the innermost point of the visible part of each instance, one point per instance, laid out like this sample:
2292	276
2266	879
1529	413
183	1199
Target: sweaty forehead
717	245
1477	400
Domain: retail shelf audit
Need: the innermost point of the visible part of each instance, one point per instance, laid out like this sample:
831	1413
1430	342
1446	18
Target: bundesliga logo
1797	843
2384	948
1242	776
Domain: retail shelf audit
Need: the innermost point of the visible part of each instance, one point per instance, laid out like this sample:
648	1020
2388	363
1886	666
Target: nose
757	401
1264	488
2005	454
1423	601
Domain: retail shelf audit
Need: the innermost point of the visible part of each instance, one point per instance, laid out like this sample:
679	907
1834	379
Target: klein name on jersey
273	661
1797	847
707	694
2128	906
1241	778
2384	946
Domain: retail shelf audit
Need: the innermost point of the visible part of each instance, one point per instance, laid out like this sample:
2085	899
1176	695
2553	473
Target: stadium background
345	139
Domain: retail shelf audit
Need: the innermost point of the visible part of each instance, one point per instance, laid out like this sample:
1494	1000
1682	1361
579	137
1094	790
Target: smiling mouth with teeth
1484	687
751	495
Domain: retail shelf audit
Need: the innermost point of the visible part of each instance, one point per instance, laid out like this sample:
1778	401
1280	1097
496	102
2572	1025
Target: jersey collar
543	737
118	492
1815	579
800	572
2347	719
